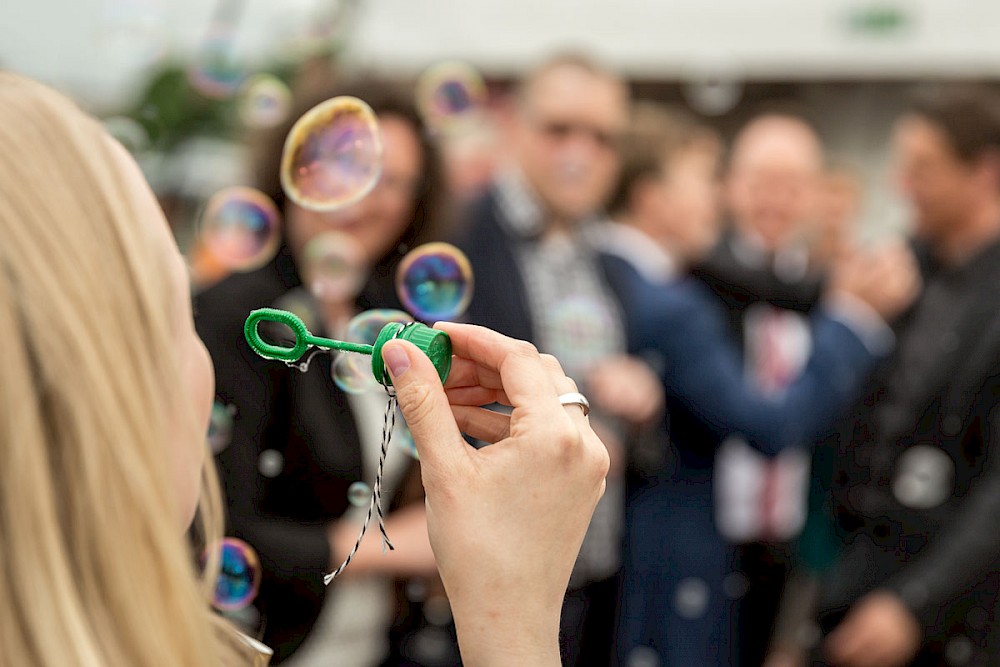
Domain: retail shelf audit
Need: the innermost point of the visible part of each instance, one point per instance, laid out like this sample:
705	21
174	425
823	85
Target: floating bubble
301	303
434	282
643	656
359	494
333	267
239	575
265	101
240	227
924	477
691	598
714	85
353	372
958	651
333	155
270	463
216	73
450	92
578	334
220	426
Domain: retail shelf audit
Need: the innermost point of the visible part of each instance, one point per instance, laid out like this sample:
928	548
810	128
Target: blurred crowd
800	424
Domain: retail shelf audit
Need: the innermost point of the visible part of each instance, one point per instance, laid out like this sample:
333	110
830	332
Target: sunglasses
561	131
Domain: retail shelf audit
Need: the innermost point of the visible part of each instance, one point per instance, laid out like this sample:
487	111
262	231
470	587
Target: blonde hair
93	567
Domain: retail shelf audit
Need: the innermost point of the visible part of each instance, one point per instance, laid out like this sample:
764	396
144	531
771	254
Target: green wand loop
435	344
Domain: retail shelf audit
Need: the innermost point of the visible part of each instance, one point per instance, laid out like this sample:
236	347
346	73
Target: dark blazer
308	421
941	392
500	299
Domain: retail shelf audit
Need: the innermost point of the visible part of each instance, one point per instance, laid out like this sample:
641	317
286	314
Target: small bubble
359	494
691	598
434	282
241	228
270	463
239	575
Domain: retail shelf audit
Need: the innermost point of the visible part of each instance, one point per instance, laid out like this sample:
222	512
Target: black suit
740	284
928	531
303	417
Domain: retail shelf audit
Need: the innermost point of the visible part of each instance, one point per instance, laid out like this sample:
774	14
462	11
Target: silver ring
576	398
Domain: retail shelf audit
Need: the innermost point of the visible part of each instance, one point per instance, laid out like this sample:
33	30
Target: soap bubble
434	282
220	426
924	477
450	92
578	335
714	85
133	32
333	267
240	227
239	575
265	101
353	372
333	155
691	598
359	494
300	303
270	463
216	73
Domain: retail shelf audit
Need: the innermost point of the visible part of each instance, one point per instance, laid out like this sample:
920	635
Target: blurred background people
538	278
761	274
677	604
915	483
299	440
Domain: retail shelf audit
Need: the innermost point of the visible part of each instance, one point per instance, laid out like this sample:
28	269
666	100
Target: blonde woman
104	401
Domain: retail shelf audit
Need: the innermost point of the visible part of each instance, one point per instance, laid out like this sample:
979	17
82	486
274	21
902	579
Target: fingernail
396	359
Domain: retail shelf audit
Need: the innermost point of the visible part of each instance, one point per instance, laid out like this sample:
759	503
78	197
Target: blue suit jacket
708	397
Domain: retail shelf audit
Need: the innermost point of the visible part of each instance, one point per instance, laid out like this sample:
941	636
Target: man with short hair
916	488
538	279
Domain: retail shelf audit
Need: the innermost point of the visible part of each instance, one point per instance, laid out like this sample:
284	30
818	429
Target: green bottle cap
432	342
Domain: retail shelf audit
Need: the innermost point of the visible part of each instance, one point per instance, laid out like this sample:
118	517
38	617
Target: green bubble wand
435	344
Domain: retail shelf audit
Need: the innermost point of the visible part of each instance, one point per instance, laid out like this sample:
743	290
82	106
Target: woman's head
104	402
404	207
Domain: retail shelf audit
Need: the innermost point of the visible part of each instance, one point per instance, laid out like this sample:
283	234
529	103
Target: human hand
878	632
626	387
506	521
886	279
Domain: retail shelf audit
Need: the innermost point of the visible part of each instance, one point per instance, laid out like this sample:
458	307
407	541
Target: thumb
424	404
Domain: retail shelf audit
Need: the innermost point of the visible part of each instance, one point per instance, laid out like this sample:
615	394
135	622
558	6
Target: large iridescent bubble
333	155
241	228
353	372
239	575
434	282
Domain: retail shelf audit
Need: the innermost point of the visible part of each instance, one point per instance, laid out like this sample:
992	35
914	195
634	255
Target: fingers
477	396
424	405
482	424
525	380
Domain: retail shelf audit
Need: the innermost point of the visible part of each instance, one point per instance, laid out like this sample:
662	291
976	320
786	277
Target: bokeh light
239	575
434	282
333	155
241	228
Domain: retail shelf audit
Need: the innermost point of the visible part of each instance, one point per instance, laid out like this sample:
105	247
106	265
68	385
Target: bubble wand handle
432	342
303	339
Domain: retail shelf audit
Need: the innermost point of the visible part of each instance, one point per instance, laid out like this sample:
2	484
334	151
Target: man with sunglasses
538	278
